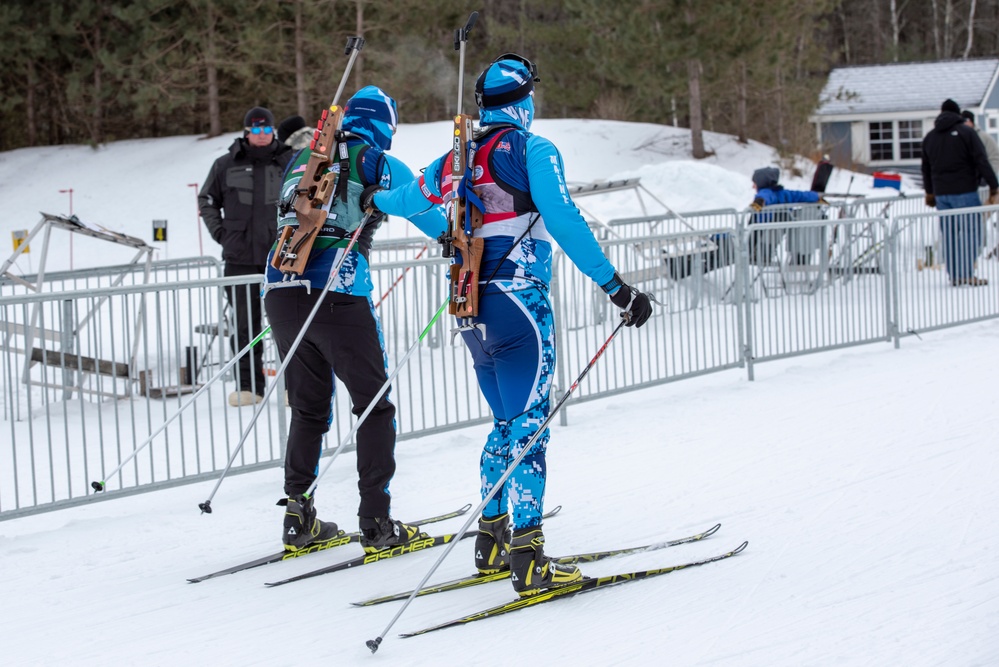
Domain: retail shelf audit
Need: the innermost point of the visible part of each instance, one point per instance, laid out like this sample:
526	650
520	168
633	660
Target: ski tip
711	531
373	644
739	549
464	510
558	508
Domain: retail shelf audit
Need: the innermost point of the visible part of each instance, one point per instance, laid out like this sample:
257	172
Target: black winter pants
244	301
342	339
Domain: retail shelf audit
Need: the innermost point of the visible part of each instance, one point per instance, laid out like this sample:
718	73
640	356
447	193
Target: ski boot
492	545
380	533
530	570
301	527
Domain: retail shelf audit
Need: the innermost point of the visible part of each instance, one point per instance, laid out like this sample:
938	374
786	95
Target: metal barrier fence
942	259
162	271
89	374
90	371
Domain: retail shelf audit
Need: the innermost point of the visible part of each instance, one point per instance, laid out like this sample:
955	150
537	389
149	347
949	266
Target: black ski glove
368	198
637	306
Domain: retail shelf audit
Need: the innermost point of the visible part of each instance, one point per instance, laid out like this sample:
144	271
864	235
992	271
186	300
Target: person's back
953	156
517	179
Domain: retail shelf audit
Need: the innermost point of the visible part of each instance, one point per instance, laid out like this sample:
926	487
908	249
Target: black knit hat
968	115
289	126
950	105
258	117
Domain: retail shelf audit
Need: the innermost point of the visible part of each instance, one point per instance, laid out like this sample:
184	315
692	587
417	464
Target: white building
877	115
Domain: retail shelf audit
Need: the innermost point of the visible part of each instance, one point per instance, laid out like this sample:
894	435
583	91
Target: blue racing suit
519	177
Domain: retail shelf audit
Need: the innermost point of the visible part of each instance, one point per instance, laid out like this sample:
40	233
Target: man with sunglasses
519	179
238	203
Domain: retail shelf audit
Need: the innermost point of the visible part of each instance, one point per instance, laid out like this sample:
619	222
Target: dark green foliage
92	71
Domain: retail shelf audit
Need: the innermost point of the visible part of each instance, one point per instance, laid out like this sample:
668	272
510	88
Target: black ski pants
343	338
244	302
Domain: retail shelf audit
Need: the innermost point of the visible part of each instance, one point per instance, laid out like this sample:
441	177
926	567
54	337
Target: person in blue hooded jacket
345	336
519	178
769	192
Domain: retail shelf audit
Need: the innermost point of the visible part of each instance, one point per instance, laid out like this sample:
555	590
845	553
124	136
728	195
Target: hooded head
950	105
372	114
289	126
504	91
766	177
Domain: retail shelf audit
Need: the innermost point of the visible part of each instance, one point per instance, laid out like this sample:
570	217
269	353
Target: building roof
906	86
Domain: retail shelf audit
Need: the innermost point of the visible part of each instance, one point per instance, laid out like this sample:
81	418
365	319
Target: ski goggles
260	129
531	67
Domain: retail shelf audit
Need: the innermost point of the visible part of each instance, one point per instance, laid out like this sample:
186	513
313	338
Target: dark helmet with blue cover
508	80
372	114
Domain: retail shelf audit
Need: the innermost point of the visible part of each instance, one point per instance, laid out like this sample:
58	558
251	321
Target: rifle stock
312	194
457	242
464	288
318	182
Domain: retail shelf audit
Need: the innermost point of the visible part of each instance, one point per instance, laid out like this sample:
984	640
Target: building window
893	140
881	141
910	139
992	124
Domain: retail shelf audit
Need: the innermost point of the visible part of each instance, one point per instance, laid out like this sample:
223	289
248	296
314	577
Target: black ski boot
530	570
492	544
301	527
380	533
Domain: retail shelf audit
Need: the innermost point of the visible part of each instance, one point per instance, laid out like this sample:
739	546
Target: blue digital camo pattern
515	364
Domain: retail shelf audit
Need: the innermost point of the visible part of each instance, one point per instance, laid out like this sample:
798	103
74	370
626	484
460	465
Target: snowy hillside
126	185
863	479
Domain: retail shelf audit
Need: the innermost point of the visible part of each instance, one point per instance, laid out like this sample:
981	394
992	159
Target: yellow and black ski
584	586
477	579
421	543
341	539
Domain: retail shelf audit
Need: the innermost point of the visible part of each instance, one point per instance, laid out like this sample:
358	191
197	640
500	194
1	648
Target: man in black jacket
238	203
953	160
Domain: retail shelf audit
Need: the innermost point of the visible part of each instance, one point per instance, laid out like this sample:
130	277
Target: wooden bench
75	362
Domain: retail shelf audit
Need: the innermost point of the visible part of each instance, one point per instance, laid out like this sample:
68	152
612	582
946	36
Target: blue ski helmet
372	114
504	90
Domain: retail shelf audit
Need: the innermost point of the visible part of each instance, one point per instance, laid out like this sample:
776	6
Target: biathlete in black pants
344	339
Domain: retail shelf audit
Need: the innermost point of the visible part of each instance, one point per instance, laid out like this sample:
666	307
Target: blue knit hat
372	114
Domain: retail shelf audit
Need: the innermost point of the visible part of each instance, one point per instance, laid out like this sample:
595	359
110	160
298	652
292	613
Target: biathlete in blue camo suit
344	338
519	178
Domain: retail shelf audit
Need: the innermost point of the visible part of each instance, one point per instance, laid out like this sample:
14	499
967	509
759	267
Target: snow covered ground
863	479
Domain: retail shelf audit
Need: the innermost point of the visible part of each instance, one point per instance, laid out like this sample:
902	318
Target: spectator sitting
801	242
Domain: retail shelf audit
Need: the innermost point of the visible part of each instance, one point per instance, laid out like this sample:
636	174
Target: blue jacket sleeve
563	220
798	197
404	198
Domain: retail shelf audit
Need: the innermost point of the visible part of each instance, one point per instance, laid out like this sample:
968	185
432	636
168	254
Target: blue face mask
519	113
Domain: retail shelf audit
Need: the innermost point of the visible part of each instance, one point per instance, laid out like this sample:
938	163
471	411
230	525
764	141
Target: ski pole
100	486
374	401
206	507
373	644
